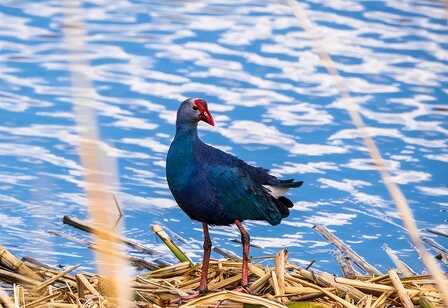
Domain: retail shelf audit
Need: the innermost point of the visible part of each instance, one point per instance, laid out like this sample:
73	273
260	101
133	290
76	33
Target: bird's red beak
205	115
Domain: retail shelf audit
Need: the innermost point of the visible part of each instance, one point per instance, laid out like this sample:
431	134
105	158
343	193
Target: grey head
191	111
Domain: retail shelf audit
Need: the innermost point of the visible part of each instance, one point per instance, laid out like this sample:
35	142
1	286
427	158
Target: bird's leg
204	270
205	261
245	239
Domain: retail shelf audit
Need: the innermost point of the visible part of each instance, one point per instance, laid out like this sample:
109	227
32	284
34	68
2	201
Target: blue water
274	104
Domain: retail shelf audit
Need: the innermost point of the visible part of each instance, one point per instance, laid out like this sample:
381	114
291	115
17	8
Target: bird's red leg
245	239
204	270
205	261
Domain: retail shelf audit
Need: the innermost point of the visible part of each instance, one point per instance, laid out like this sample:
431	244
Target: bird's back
241	189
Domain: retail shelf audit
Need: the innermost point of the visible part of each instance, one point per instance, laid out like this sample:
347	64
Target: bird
219	189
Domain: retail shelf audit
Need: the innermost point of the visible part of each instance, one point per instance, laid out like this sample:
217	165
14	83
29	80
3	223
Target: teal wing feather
240	196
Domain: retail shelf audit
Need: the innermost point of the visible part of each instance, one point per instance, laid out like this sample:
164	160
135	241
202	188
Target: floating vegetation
30	283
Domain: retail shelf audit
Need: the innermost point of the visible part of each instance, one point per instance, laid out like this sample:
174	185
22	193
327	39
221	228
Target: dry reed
99	175
393	189
286	284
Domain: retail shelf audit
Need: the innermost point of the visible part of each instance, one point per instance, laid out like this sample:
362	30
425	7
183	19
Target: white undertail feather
276	191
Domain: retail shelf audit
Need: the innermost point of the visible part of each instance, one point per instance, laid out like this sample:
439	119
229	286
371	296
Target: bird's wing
240	196
215	156
259	175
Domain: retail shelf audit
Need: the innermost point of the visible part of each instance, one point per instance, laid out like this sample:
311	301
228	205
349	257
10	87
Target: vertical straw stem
393	189
404	296
98	167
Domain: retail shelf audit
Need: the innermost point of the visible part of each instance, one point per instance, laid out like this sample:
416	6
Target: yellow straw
98	167
394	190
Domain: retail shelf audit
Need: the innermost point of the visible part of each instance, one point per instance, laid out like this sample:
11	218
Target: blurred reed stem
393	189
99	168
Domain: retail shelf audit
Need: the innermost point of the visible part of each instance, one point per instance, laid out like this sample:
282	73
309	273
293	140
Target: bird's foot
243	289
186	298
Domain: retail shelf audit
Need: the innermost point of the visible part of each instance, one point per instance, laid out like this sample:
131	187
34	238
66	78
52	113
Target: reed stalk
394	190
345	249
404	296
177	252
99	169
10	261
158	288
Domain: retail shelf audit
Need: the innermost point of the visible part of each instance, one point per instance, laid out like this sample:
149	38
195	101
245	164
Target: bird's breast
180	166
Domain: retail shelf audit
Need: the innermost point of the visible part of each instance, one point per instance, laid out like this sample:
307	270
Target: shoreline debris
30	283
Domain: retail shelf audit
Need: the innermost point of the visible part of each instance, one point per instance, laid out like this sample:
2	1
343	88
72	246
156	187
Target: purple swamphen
216	188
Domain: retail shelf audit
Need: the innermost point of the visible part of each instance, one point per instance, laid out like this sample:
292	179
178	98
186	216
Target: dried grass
394	190
277	286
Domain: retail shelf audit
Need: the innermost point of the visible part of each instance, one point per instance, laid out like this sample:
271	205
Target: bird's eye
195	107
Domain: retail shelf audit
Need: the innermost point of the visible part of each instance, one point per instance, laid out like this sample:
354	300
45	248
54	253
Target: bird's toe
243	289
183	299
202	290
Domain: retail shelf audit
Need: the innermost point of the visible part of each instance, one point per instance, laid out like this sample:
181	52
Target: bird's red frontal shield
205	116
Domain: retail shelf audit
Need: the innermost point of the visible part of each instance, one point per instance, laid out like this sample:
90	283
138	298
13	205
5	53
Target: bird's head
193	110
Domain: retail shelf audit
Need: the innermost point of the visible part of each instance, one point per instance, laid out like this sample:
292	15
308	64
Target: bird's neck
186	139
187	131
180	158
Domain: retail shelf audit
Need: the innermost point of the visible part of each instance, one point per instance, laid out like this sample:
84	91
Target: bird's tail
283	205
291	183
277	192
